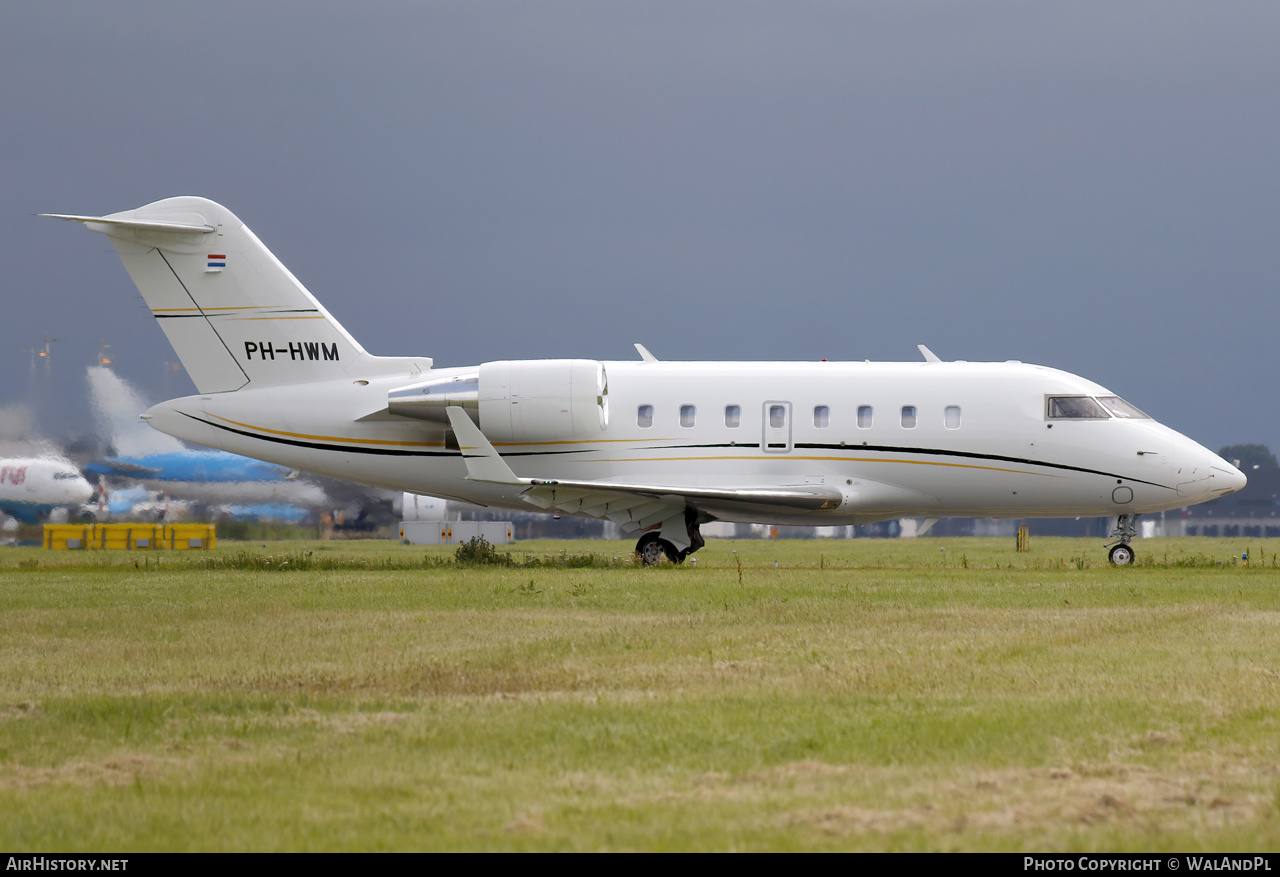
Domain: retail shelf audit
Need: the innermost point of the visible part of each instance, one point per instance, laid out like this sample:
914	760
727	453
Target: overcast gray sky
1093	186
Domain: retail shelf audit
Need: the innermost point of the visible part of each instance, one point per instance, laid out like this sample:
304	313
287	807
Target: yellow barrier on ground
181	537
129	537
68	537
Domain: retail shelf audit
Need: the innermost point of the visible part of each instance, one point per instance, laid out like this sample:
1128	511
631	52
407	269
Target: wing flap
809	497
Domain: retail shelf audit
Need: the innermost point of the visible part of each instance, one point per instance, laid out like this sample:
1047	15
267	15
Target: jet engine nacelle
517	401
543	400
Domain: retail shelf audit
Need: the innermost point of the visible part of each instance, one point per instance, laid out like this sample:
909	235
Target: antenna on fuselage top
929	355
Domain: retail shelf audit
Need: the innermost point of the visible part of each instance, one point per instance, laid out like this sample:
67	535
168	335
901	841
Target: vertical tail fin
233	313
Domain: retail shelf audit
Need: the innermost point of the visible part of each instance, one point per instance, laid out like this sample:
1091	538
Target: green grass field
928	694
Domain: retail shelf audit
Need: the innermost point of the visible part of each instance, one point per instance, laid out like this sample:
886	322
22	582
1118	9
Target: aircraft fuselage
895	439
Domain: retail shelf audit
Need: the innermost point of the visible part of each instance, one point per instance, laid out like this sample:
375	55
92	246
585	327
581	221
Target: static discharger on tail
659	448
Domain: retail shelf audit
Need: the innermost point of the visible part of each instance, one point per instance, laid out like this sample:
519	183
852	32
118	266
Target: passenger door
777	428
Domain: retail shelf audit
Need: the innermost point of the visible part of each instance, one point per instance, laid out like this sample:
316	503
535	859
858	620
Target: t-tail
234	314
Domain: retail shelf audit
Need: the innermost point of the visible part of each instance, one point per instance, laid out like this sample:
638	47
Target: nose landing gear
1121	553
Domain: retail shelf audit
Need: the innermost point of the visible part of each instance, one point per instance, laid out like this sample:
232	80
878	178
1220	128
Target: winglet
644	353
483	462
929	355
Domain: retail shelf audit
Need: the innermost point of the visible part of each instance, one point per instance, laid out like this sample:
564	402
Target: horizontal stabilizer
194	223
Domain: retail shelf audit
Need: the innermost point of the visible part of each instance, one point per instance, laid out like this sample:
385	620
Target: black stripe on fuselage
267	313
324	446
936	452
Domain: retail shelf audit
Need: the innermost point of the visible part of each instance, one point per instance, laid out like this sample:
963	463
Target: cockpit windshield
1122	409
1089	408
1075	408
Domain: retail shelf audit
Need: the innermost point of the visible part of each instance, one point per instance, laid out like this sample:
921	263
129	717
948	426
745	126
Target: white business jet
656	447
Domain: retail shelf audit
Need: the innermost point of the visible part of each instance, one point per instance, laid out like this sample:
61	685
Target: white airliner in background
34	487
656	447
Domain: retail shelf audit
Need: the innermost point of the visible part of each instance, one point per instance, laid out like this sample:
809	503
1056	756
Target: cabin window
1122	409
733	416
777	416
687	414
864	416
951	417
644	416
1074	408
821	416
908	417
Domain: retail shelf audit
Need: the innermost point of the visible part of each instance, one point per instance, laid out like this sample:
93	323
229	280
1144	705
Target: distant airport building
1253	512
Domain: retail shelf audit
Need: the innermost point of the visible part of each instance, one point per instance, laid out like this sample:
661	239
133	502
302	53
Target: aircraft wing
121	469
631	506
641	506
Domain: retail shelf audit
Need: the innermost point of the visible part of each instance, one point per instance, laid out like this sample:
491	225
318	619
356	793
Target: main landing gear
1121	553
653	549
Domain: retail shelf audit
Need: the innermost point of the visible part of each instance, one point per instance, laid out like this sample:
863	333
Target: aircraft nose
1226	478
1202	473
